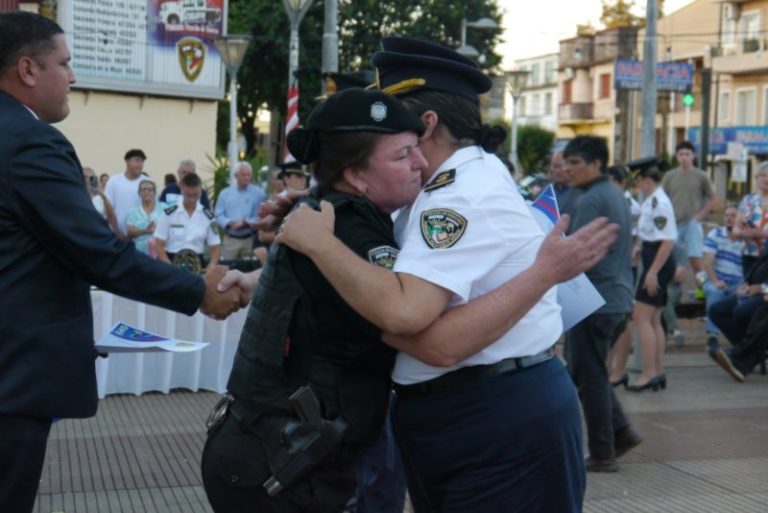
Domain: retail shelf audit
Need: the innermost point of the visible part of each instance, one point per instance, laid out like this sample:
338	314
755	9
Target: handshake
227	291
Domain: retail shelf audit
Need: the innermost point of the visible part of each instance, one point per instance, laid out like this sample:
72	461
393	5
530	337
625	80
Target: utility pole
706	97
330	60
648	132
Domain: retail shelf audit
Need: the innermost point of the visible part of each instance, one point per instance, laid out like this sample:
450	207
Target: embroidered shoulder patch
170	210
441	180
383	256
660	222
442	227
654	202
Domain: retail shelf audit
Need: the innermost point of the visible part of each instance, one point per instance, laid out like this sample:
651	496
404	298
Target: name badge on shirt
442	227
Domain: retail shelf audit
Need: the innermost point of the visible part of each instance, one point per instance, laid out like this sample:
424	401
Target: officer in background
188	226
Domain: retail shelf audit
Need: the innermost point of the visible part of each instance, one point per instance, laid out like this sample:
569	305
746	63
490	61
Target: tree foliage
619	13
263	75
533	147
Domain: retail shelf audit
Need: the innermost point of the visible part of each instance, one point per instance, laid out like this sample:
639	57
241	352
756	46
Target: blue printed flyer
124	338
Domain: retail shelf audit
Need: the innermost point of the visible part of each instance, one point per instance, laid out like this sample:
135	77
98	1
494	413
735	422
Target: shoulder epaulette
170	210
208	213
441	180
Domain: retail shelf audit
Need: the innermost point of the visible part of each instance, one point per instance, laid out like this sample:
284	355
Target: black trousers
22	453
586	348
733	316
754	343
235	466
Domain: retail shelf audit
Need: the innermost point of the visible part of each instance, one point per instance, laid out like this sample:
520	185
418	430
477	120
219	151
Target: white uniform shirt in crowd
657	218
123	194
470	236
181	231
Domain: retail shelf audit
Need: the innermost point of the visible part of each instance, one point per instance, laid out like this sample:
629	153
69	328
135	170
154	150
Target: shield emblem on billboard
191	52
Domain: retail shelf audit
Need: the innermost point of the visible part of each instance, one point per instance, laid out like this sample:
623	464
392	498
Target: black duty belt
459	378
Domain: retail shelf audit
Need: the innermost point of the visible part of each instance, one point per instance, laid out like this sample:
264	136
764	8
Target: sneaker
624	440
678	337
726	363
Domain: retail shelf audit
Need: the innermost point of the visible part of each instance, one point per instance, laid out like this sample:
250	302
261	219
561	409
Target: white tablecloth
135	373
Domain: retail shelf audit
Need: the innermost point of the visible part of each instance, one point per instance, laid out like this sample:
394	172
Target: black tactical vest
279	350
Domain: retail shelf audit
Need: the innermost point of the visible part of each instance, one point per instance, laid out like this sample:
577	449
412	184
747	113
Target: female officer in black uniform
262	456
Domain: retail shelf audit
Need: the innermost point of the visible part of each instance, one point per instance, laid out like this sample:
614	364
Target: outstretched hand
272	212
219	305
304	228
244	282
564	258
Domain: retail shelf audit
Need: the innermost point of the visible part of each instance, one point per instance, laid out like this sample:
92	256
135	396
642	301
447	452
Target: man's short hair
191	180
588	147
188	162
134	153
25	34
685	145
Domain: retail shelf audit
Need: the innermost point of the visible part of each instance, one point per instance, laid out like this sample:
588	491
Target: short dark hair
342	150
191	180
588	147
685	145
135	152
25	34
169	178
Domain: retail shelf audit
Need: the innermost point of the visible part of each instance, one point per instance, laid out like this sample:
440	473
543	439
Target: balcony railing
572	111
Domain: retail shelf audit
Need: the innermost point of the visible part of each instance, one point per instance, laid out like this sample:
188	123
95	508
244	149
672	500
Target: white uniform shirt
657	218
180	231
470	237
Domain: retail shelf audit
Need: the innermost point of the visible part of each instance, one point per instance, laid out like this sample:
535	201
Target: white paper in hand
123	338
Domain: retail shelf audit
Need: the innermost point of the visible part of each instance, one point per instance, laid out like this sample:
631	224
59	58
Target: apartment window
549	72
746	107
535	77
548	104
605	86
750	31
521	106
765	106
724	113
536	105
567	90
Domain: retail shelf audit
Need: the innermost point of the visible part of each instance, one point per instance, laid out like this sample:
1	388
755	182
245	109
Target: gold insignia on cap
404	86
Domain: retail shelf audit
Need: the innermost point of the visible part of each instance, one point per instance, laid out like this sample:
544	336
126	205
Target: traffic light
688	99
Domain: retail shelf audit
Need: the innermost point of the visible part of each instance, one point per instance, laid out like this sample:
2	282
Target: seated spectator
734	315
741	360
752	224
100	201
722	268
142	220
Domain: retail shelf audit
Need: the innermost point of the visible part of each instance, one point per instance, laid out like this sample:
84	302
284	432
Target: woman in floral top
141	220
752	224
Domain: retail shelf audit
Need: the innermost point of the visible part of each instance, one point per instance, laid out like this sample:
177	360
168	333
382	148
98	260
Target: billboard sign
162	47
670	76
753	138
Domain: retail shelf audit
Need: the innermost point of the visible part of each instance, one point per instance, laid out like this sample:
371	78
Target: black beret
647	166
338	82
291	168
134	153
352	110
405	65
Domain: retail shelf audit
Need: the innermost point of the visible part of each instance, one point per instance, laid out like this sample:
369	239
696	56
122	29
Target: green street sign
688	100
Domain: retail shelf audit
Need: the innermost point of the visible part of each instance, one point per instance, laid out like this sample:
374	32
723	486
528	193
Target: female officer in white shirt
496	428
657	231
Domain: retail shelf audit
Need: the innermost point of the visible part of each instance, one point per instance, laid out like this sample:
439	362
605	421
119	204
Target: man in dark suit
53	245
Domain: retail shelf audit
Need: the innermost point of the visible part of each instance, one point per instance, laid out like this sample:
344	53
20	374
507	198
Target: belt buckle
219	412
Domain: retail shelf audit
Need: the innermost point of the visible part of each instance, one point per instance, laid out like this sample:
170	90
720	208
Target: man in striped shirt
722	265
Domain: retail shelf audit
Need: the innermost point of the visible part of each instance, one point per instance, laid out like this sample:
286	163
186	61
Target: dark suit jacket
53	245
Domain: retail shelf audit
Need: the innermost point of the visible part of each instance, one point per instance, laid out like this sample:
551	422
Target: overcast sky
534	27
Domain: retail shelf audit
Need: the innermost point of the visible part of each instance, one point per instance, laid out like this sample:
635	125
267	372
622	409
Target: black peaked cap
405	65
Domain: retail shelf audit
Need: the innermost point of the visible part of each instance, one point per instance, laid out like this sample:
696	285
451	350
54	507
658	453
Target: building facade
538	101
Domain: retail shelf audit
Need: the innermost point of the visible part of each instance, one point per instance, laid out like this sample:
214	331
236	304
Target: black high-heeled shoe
661	379
653	384
623	381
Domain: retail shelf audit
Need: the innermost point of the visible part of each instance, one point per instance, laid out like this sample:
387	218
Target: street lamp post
296	9
483	24
516	81
232	50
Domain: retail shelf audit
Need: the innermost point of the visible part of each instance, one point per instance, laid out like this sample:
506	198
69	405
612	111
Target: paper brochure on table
578	297
124	338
